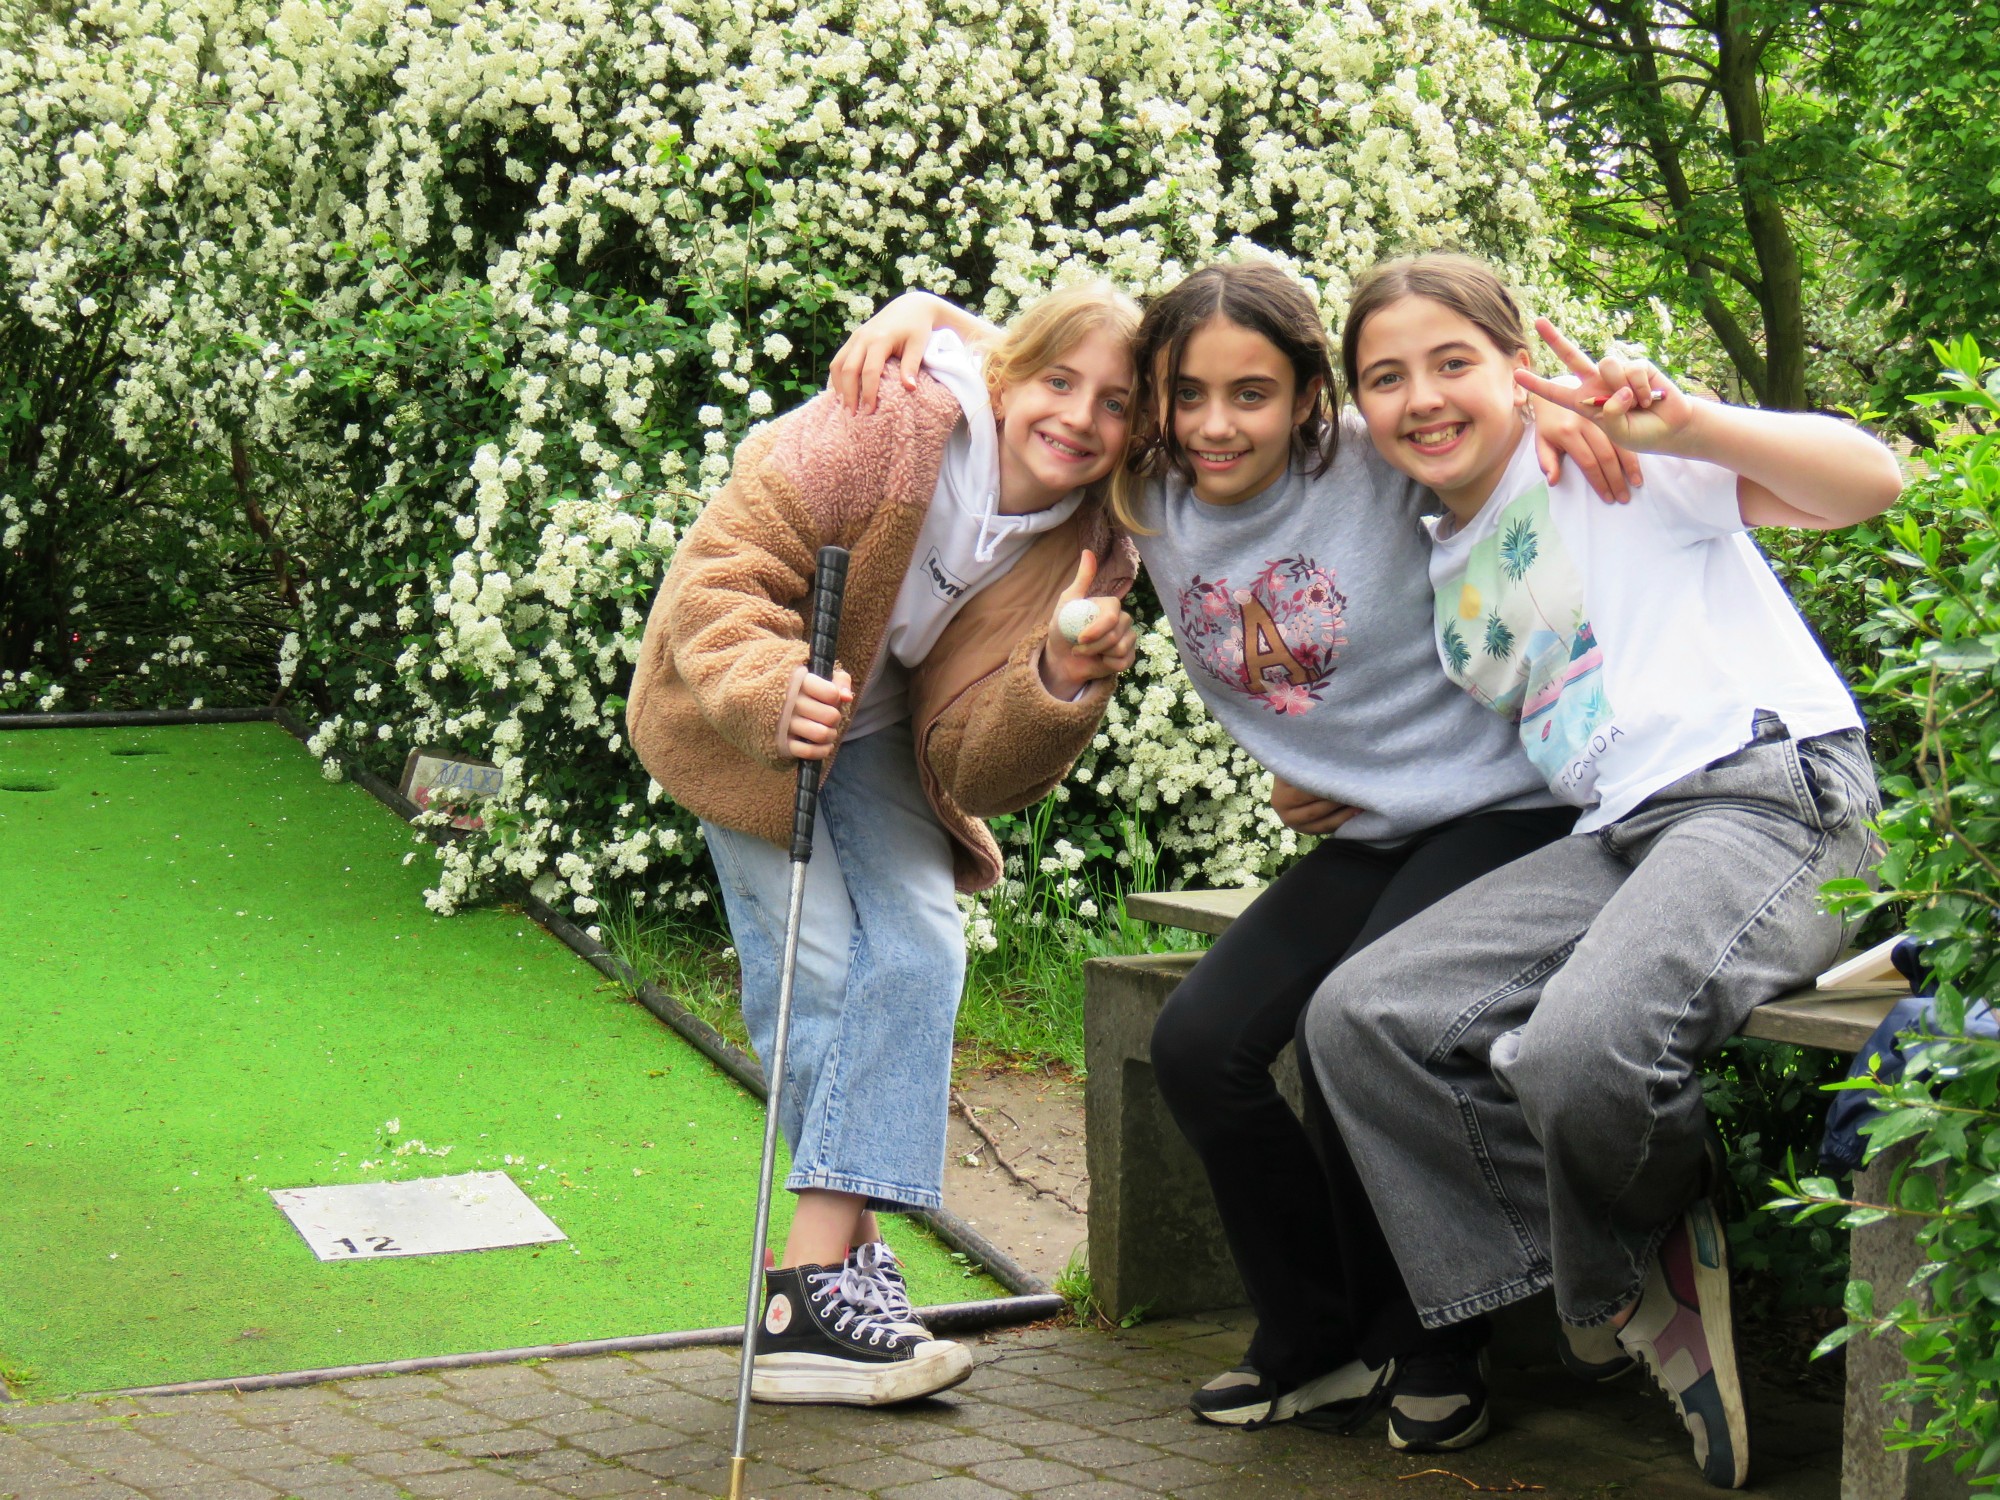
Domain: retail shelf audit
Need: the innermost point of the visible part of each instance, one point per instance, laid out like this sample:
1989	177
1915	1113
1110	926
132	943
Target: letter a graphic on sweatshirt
1264	647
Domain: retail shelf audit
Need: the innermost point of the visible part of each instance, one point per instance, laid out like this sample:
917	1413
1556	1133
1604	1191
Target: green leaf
1964	656
1986	1191
1896	1125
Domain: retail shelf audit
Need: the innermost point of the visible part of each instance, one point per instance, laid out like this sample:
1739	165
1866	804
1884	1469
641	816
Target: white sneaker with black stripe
1245	1397
1437	1402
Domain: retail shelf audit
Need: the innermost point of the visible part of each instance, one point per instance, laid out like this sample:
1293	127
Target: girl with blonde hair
972	500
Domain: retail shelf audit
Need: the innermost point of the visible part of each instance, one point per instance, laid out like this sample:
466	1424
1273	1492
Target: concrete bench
1156	1243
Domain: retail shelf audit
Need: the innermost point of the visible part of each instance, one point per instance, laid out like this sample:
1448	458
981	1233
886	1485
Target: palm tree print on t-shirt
1511	631
1274	641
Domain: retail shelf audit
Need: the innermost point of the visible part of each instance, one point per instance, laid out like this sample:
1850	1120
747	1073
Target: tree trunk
1662	145
1781	296
281	563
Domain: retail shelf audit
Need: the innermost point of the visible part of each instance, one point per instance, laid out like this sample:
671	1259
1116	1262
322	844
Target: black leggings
1320	1276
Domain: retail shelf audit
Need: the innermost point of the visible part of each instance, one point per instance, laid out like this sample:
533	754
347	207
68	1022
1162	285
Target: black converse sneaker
836	1334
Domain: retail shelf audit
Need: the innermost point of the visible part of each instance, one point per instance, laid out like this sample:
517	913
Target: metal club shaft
829	583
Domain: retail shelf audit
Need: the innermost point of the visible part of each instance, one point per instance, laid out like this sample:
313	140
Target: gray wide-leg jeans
1514	1069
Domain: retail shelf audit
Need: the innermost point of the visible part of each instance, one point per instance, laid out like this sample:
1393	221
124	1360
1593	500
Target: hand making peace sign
1629	401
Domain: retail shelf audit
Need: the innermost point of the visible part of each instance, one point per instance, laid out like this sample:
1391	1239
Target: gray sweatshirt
1304	618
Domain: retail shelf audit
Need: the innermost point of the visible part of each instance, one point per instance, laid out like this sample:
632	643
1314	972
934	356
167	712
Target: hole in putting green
138	750
27	786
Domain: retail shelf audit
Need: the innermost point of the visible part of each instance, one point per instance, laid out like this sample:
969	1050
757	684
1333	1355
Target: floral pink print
1276	640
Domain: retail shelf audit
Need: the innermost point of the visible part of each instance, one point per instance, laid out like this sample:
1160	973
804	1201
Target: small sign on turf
427	1216
431	775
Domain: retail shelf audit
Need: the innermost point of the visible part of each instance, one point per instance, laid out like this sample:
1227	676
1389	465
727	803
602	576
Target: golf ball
1075	617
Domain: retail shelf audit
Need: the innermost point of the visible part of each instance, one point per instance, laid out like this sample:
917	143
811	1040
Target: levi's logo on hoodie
943	583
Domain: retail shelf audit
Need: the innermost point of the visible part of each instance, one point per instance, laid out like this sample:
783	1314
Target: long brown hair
1462	283
1254	295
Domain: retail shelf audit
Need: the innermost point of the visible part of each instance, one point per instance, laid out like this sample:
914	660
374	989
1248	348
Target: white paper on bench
425	1216
1862	971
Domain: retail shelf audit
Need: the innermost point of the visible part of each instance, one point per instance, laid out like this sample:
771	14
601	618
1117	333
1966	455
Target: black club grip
829	584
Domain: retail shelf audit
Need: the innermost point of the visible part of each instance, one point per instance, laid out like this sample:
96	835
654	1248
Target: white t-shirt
1631	644
965	543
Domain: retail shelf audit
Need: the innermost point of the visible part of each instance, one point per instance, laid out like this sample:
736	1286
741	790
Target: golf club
829	581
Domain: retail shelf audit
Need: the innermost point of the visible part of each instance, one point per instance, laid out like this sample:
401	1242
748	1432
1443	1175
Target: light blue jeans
1514	1070
881	963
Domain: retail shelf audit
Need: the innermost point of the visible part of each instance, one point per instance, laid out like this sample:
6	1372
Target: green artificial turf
218	977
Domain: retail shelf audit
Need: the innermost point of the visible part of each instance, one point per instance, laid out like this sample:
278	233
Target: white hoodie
965	543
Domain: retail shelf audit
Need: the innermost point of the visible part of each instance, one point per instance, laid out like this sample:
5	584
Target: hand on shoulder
900	331
1793	468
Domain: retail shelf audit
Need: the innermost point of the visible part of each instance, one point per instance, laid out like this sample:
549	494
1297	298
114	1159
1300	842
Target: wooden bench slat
1192	911
1839	1020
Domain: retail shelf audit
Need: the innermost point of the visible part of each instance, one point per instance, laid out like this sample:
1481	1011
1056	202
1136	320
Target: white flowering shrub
138	556
389	346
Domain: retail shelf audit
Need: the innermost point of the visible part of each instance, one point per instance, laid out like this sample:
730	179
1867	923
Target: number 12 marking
378	1244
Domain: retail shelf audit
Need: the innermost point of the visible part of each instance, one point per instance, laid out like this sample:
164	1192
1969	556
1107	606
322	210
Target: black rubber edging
945	1317
135	718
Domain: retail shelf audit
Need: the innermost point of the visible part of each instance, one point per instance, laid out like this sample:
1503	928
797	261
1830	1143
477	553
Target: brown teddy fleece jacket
727	628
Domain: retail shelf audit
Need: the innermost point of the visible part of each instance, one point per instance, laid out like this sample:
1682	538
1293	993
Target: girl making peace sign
1514	1070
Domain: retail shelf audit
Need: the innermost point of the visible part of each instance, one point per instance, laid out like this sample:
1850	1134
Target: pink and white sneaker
1682	1331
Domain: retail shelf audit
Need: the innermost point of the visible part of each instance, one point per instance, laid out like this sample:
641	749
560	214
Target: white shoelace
873	1277
871	1300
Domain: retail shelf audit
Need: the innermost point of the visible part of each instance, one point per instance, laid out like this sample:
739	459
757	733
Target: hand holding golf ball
1089	637
1075	617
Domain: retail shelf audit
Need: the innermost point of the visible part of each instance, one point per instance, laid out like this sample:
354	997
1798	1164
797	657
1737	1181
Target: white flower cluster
1160	755
480	294
23	692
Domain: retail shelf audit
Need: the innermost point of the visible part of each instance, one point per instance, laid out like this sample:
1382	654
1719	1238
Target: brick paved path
1061	1414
